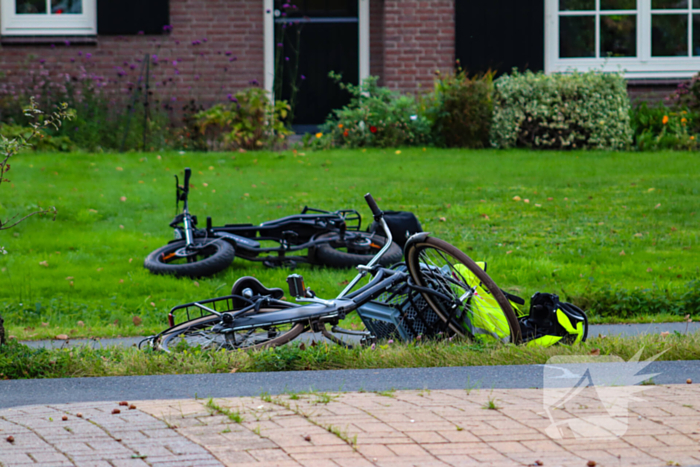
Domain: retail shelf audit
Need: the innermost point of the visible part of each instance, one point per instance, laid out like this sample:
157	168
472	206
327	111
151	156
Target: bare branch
4	226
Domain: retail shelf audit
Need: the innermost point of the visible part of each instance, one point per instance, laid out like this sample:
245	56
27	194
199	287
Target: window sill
47	40
654	82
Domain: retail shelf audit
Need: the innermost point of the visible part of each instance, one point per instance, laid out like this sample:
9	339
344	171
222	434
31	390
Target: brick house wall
204	71
419	38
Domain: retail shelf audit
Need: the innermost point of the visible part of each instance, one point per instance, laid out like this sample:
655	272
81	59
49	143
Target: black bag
402	224
547	320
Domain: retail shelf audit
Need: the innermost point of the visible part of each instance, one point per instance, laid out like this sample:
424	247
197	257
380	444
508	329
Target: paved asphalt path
593	331
55	391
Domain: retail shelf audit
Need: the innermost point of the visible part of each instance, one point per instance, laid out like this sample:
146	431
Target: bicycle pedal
296	285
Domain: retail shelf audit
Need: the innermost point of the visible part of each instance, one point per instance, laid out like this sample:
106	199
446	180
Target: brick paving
660	426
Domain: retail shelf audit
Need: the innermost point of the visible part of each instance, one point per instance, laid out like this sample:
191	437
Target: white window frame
641	66
47	24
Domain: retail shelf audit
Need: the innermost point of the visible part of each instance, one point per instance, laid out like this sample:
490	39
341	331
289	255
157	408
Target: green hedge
561	111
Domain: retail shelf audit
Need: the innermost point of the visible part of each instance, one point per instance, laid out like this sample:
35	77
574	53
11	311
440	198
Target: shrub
561	111
662	128
461	109
375	117
44	143
249	121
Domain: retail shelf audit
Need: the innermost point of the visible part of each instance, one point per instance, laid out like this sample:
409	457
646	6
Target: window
48	17
643	38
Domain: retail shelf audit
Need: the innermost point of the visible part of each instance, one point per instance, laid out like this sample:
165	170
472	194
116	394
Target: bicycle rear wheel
435	264
198	332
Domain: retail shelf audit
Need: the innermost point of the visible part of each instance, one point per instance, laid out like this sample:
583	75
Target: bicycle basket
400	313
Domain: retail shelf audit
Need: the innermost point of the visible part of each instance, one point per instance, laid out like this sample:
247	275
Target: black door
499	35
313	38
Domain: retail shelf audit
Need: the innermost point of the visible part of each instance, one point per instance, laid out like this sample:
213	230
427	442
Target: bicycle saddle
256	287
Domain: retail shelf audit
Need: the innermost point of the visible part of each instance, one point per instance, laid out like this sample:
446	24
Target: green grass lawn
614	232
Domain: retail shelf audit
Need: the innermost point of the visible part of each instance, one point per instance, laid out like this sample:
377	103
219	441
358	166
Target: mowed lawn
605	230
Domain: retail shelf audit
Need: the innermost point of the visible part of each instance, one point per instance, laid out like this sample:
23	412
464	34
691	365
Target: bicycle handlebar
188	174
378	214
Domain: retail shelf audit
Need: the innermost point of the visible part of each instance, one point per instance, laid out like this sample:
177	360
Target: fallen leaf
121	226
550	199
131	259
44	263
196	284
64	418
69	278
205	184
526	200
302	346
81	324
442	219
10	439
657	206
233	370
482	200
516	198
595	352
79	415
649	269
509	252
119	169
116	411
307	438
664	334
591	463
132	407
62	337
622	253
398	152
153	304
45	324
123	404
651	189
137	320
538	205
121	281
638	235
123	198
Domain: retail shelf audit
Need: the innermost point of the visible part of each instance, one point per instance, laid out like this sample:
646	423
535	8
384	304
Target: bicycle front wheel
198	333
476	305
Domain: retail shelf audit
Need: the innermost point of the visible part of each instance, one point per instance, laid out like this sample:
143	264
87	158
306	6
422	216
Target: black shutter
500	35
124	17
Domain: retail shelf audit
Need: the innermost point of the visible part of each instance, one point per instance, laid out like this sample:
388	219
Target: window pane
576	36
696	3
668	4
618	4
61	7
669	35
618	36
23	7
574	5
696	35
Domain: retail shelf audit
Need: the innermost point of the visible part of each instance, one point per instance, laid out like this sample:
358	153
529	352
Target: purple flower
154	57
253	82
284	14
174	62
286	59
279	44
267	11
42	61
204	40
196	42
53	46
173	98
72	60
303	77
230	97
140	33
126	63
177	72
177	42
80	53
167	28
88	55
196	77
233	59
228	53
133	67
66	43
286	5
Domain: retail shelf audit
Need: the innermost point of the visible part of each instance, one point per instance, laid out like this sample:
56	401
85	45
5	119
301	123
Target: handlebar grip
188	174
373	207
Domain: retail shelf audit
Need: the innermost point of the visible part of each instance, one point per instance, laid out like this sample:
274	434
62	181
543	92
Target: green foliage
662	128
375	117
461	109
44	143
250	121
561	111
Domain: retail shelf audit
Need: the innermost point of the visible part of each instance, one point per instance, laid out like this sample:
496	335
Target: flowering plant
375	117
660	127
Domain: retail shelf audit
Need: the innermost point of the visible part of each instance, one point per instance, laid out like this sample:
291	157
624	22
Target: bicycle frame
293	233
318	312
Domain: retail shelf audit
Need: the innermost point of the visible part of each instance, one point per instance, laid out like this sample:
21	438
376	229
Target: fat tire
326	254
199	324
217	262
413	265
